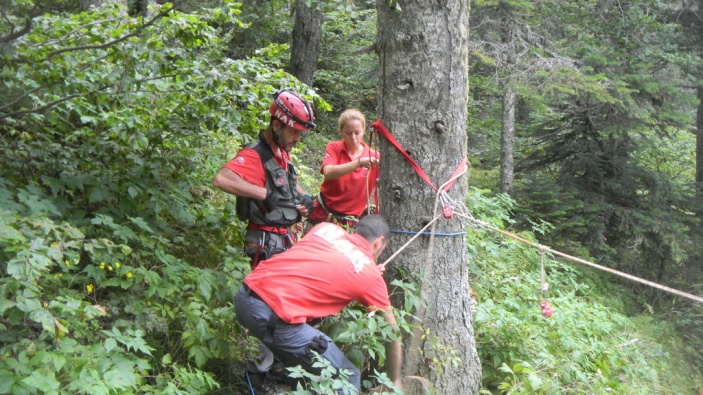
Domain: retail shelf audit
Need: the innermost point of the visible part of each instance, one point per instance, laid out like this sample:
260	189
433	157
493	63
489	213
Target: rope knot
447	212
541	248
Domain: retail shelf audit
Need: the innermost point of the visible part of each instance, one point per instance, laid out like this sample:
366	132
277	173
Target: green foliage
363	335
330	380
587	346
116	259
596	154
342	66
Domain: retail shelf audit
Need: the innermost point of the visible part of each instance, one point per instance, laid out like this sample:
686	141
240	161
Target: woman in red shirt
350	169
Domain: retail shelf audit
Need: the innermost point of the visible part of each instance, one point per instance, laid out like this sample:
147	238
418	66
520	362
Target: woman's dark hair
371	227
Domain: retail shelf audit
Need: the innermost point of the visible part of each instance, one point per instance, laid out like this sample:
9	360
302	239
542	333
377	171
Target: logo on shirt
280	181
337	237
239	160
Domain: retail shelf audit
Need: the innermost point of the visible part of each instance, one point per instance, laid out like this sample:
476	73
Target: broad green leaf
43	381
110	344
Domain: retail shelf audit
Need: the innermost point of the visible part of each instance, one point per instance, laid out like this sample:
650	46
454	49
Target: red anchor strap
380	128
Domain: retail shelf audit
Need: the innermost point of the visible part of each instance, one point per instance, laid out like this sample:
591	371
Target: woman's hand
367	162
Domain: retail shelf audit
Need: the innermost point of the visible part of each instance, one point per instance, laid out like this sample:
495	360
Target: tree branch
113	42
365	49
47	105
29	92
19	33
25	94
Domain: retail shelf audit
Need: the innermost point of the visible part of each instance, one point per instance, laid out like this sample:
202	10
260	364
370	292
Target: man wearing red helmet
265	182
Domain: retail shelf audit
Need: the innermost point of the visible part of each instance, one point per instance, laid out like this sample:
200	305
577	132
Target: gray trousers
290	343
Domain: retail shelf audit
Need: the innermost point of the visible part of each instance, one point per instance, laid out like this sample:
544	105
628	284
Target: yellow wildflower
68	263
89	287
117	265
109	268
129	274
102	265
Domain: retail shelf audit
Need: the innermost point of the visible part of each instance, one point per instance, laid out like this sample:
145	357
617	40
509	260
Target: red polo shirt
348	194
247	164
319	276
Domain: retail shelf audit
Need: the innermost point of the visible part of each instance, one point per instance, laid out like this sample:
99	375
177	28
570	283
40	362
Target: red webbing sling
380	128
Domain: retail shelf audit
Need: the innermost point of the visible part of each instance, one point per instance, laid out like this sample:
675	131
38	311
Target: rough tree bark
86	4
699	142
423	92
146	8
507	141
307	36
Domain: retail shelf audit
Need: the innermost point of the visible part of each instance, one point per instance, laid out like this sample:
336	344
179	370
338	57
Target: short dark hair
371	227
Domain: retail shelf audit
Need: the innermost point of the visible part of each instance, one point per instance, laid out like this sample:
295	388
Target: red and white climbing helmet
291	109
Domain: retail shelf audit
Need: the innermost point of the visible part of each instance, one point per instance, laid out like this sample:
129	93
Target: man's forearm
233	184
394	361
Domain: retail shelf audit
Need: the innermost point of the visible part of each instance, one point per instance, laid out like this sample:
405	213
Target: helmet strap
277	134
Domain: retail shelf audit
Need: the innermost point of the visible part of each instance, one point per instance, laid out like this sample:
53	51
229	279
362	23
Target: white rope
590	264
418	234
441	194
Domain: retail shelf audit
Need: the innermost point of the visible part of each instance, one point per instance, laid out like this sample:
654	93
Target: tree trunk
423	92
507	142
86	4
147	8
699	141
307	36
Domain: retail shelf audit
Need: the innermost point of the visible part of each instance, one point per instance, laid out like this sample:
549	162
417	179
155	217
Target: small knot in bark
404	85
439	126
397	193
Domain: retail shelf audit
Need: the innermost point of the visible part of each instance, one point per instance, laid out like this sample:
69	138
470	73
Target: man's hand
306	201
271	202
384	388
318	344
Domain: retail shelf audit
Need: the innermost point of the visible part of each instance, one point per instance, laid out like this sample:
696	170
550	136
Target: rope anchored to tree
451	207
587	263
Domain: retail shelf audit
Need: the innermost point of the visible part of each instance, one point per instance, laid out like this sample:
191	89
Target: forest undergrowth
602	338
118	262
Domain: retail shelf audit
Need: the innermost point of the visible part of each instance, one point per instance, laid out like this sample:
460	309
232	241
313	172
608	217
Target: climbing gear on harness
339	219
263	244
291	109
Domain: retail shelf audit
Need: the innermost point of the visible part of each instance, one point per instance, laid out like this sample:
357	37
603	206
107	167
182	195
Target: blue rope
428	233
249	381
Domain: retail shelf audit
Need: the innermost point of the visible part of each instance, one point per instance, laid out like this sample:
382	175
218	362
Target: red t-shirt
247	164
348	194
319	276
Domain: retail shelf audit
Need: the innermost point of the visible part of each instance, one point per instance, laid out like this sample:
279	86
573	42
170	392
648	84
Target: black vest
278	181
